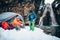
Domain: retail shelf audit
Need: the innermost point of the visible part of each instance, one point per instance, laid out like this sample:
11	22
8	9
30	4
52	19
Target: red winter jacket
5	25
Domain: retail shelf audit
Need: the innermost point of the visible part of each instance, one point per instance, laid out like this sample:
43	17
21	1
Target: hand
21	24
33	20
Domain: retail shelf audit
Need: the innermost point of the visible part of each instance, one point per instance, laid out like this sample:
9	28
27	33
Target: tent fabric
7	18
6	15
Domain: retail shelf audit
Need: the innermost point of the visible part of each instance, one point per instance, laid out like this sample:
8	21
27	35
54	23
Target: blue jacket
32	16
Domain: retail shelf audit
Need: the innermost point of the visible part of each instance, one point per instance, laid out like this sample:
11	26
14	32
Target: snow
25	34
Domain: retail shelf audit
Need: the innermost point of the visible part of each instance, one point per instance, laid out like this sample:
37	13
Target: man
31	19
17	23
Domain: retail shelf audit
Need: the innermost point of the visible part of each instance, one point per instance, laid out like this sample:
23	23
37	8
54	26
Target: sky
48	1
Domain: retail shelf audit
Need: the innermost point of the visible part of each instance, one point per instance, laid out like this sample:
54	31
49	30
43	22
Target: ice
25	34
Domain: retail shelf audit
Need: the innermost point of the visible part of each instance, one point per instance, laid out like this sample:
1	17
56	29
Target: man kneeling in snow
17	23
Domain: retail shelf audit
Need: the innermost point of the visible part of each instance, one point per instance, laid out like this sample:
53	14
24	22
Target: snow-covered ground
25	34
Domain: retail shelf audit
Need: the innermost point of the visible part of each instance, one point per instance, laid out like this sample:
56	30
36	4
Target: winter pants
31	24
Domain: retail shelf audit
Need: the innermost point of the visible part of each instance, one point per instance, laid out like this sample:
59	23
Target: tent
9	17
